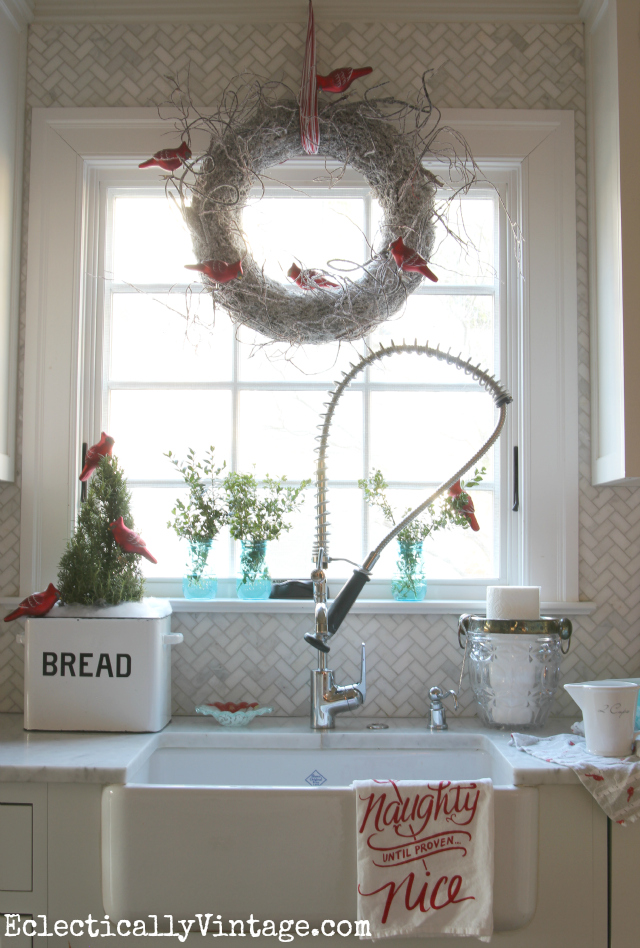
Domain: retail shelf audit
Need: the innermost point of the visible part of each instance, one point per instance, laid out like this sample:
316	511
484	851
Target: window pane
260	360
151	508
151	341
454	553
312	232
277	433
467	255
427	436
345	533
146	424
464	324
151	243
290	556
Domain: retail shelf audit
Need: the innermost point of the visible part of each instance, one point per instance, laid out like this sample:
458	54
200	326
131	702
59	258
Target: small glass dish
233	715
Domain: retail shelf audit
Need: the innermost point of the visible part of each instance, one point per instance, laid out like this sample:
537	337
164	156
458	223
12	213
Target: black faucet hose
345	599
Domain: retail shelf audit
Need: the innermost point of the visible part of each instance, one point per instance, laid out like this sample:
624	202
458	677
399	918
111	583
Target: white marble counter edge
104	758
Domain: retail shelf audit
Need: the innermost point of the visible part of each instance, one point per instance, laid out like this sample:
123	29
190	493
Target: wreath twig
255	128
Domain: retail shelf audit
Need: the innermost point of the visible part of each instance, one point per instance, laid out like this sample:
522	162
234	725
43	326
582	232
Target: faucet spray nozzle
316	642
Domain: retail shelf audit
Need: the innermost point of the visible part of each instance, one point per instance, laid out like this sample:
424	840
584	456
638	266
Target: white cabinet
625	875
613	127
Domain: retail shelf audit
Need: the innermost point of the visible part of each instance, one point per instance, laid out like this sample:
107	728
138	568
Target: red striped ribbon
309	127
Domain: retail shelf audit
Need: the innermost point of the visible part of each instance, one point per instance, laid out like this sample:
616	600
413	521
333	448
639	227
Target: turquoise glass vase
253	579
199	581
408	583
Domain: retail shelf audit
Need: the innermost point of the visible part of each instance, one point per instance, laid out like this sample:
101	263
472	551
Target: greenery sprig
205	513
449	513
258	513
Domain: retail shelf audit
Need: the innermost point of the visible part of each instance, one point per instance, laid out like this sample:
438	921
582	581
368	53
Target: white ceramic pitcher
608	708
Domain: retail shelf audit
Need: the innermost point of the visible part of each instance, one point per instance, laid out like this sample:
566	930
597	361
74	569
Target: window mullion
235	410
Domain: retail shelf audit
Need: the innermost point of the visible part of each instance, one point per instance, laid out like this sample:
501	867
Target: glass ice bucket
514	666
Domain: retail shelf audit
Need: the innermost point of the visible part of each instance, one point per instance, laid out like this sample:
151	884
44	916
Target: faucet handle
437	694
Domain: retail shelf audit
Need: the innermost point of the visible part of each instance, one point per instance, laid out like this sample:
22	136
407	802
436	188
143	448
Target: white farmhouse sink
297	767
263	822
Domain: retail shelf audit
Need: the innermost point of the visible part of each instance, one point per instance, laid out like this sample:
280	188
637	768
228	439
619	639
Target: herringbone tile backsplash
234	656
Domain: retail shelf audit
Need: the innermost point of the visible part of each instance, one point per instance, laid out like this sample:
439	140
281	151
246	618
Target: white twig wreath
384	139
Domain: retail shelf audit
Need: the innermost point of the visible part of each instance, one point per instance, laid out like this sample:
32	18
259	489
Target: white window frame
535	148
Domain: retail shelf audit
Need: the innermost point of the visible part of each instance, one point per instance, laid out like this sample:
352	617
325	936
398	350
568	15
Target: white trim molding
295	11
13	69
536	147
613	142
20	12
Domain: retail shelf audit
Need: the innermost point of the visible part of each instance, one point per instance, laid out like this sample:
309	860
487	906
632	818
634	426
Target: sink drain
377	727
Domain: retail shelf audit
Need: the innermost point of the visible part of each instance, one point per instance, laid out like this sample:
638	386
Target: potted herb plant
257	514
409	582
199	520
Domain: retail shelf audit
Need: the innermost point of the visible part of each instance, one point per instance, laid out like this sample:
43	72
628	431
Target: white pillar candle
513	602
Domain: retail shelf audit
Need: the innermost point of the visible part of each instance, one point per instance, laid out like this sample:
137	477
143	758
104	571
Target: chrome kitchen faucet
327	698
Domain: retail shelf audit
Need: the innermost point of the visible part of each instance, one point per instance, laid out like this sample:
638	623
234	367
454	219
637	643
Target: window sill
437	607
370	607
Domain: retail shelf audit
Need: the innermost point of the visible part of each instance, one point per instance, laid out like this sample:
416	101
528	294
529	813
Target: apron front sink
238	826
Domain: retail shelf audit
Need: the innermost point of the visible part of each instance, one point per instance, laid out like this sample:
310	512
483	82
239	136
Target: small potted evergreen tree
100	660
94	568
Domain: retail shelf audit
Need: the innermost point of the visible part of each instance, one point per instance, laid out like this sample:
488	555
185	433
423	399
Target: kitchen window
93	354
177	376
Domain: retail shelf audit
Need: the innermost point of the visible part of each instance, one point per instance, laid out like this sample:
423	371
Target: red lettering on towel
406	819
457	804
455	884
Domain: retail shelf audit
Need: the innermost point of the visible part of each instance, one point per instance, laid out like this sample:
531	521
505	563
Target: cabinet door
16	847
23	848
624	875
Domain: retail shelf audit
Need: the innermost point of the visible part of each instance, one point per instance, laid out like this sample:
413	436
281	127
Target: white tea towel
425	857
613	781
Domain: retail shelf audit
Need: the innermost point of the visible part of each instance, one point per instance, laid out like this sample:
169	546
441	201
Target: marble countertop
104	758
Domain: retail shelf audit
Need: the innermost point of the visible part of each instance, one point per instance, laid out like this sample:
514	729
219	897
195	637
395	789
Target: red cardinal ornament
217	270
169	159
129	540
93	455
340	79
410	260
467	508
37	605
309	279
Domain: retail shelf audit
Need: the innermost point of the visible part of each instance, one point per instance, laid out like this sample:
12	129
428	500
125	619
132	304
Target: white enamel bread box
92	668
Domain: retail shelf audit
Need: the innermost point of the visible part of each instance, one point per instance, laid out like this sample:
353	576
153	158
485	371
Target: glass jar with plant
257	515
199	520
409	582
